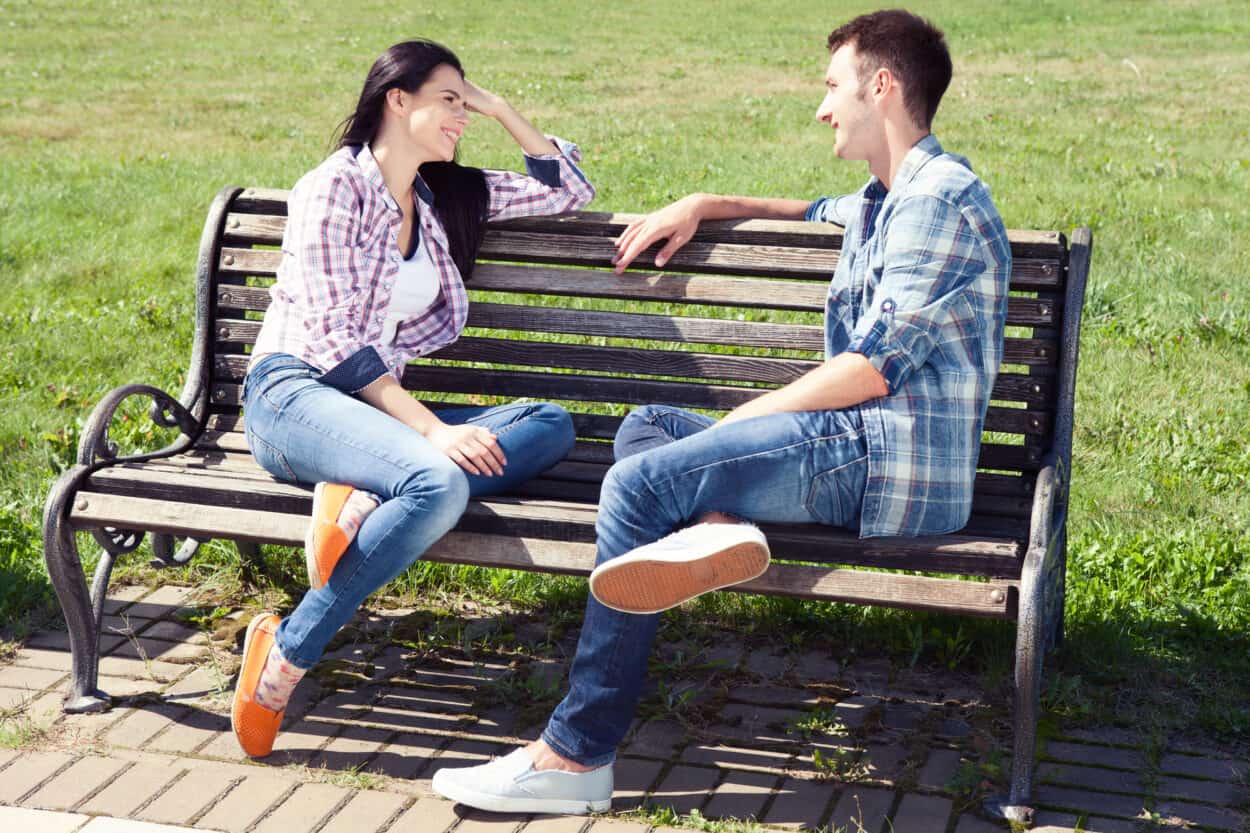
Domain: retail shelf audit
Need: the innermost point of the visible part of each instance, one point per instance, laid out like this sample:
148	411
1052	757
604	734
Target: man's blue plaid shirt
921	292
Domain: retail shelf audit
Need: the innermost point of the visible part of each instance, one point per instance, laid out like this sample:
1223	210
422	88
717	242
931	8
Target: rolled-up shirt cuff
357	371
546	167
892	365
834	210
888	345
816	211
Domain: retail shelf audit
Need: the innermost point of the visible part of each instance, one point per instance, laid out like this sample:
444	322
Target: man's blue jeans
303	431
789	468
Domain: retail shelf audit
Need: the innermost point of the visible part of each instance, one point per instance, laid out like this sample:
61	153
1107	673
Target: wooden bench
739	309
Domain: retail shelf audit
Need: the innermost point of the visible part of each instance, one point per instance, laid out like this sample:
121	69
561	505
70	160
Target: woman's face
434	116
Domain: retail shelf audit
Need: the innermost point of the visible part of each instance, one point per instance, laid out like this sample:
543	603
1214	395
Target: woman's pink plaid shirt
340	259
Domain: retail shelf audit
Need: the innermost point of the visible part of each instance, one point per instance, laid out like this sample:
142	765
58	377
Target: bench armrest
1047	495
96	449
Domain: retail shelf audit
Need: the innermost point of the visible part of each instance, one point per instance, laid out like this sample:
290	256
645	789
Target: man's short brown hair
910	47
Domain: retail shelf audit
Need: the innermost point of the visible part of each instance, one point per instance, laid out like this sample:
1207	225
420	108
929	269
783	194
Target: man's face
847	108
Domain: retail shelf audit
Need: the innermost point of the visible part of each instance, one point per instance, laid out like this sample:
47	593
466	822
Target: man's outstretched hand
677	222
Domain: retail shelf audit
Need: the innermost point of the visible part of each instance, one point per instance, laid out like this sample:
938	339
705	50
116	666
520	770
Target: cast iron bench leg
83	611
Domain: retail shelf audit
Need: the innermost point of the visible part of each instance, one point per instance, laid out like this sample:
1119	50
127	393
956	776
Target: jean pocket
270	458
836	494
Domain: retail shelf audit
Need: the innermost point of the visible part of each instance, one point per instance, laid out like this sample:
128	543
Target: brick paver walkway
789	741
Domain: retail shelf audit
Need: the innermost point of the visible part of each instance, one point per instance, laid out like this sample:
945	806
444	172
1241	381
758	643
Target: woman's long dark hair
460	193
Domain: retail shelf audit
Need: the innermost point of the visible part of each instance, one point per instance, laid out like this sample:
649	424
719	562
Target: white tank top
416	289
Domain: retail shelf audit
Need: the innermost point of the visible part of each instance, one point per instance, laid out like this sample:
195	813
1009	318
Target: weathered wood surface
254	203
686	289
1040	352
631	360
550	524
587	426
224	439
773	265
817	265
586	388
221	466
1008	387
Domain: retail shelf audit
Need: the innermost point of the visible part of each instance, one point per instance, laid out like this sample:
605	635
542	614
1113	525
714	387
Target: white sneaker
511	785
680	566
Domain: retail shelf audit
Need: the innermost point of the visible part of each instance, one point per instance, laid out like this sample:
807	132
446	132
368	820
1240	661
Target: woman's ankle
277	681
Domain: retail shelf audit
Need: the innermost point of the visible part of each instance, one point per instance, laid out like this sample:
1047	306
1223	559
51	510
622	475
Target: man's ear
882	82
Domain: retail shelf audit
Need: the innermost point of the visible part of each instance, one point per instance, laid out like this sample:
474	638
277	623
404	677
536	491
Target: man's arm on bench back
678	222
843	381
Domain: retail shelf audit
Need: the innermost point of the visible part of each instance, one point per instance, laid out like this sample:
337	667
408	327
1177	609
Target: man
883	438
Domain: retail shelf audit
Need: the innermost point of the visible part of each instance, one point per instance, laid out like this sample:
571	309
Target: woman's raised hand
474	449
478	100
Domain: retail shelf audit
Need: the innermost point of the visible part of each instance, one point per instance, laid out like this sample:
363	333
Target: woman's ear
395	100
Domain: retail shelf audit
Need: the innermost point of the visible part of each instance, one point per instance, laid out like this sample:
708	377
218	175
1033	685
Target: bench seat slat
586	464
224	440
575	483
559	520
222	471
228	450
992	599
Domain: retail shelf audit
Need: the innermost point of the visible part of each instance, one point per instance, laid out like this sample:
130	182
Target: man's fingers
670	248
636	247
627	248
629	232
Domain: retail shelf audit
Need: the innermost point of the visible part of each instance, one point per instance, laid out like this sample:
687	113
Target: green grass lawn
118	124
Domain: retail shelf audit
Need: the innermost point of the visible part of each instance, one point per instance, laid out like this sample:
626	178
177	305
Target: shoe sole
649	585
336	542
499	804
252	627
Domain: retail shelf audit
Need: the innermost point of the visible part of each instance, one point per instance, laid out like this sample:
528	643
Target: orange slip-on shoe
255	726
326	541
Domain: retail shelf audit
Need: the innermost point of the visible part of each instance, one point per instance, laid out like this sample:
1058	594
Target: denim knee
637	426
623	480
444	490
560	425
628	505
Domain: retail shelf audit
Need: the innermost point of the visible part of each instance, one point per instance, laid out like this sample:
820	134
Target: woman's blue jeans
303	431
808	467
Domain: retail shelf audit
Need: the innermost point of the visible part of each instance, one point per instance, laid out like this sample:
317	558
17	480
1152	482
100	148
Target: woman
379	241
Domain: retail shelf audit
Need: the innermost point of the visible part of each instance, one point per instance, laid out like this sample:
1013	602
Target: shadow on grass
1180	676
